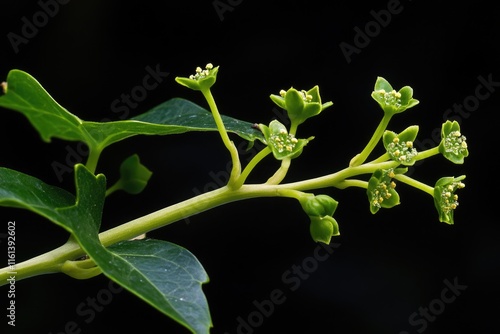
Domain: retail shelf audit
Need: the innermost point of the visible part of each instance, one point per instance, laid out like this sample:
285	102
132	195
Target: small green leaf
134	176
400	146
453	145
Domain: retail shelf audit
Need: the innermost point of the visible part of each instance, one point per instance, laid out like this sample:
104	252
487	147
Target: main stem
52	261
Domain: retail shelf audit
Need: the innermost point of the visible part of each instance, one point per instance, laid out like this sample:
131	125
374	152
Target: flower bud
322	229
320	205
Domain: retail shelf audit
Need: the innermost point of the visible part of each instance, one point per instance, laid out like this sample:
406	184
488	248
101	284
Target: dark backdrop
385	269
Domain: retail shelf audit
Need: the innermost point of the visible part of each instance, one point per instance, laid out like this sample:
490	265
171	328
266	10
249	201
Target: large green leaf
169	275
24	93
164	275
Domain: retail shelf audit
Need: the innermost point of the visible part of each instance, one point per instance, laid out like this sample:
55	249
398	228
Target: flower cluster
300	105
203	79
445	199
282	144
390	100
381	189
200	74
282	141
453	144
400	146
402	151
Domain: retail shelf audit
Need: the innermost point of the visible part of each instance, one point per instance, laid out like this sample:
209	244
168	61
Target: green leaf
134	176
26	95
19	190
81	216
155	265
23	93
184	116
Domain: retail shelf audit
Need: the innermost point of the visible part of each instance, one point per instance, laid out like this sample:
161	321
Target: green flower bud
453	144
320	205
282	144
400	147
203	79
390	101
300	105
322	229
445	199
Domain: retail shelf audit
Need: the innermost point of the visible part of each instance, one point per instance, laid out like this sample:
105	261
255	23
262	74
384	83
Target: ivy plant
165	275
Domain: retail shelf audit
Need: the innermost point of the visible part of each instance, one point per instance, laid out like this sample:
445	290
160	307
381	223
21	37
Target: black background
384	268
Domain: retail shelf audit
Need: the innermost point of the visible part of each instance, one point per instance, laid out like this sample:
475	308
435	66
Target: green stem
361	157
114	187
293	128
233	151
414	183
352	183
251	165
281	172
53	261
382	158
427	153
94	154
